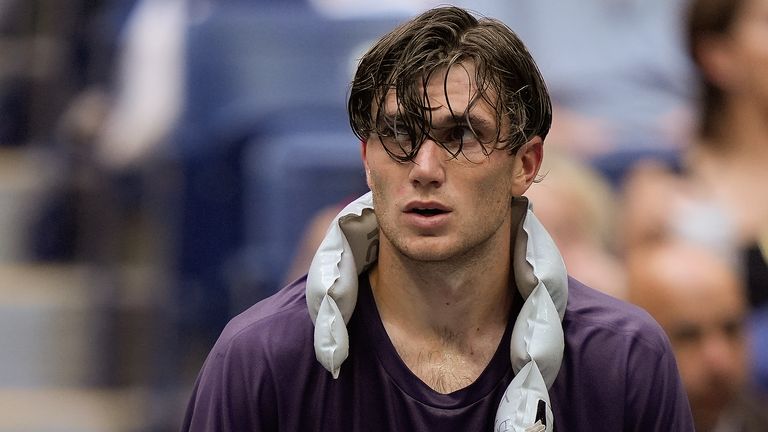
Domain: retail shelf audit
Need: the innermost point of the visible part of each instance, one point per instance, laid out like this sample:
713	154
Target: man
438	301
700	302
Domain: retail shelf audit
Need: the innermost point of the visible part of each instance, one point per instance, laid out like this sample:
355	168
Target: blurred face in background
707	335
699	302
737	61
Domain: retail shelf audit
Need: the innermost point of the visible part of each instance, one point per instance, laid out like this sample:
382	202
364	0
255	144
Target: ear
364	154
527	164
715	54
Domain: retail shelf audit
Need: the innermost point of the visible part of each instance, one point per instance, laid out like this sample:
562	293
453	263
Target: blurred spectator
149	84
49	51
699	300
59	70
577	206
716	197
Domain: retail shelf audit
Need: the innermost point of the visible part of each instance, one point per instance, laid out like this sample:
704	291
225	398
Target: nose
428	167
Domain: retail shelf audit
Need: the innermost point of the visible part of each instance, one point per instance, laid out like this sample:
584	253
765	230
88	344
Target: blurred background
164	164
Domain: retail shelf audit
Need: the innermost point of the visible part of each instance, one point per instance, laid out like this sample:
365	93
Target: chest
370	397
443	367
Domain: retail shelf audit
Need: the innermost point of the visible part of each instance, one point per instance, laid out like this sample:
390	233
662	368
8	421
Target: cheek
754	53
689	366
374	182
741	363
500	185
493	196
381	182
387	192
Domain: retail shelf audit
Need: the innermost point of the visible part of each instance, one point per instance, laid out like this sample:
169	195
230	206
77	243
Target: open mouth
427	211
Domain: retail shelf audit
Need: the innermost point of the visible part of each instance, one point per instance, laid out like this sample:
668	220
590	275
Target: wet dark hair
707	18
506	75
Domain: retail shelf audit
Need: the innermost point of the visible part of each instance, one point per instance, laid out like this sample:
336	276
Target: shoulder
605	333
618	366
264	346
591	313
258	352
275	325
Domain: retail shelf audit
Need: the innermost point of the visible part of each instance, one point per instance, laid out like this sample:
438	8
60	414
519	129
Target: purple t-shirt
618	374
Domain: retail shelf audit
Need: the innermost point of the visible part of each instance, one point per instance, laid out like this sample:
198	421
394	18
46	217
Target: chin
708	409
427	255
428	251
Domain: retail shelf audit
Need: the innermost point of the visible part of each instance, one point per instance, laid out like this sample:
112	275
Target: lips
427	209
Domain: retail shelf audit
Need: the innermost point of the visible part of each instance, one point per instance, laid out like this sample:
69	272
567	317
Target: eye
397	140
462	139
686	334
462	134
733	329
401	134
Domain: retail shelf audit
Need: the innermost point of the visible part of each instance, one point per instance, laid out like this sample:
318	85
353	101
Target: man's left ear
527	163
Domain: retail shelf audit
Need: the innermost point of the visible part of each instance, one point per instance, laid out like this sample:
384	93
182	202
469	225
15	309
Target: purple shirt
618	374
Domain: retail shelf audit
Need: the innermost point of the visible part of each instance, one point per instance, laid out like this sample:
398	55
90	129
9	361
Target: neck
459	297
445	319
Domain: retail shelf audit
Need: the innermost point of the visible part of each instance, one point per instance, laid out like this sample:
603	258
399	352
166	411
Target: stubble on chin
451	251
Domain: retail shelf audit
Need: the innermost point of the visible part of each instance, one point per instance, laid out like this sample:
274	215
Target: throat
444	335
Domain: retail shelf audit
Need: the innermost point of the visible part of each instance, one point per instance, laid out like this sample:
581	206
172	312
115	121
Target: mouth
426	209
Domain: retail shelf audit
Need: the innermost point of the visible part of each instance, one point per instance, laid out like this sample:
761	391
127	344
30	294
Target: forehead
450	91
708	303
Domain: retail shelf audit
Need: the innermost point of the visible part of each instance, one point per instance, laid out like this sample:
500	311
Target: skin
575	206
698	300
442	282
737	62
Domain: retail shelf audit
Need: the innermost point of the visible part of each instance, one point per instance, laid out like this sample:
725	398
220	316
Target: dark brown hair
404	60
709	18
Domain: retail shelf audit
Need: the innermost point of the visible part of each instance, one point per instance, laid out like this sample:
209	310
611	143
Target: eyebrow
477	122
439	122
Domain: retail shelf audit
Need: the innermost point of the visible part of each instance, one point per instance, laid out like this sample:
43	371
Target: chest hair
447	364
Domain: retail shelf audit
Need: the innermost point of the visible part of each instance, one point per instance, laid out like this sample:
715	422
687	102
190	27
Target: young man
438	301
